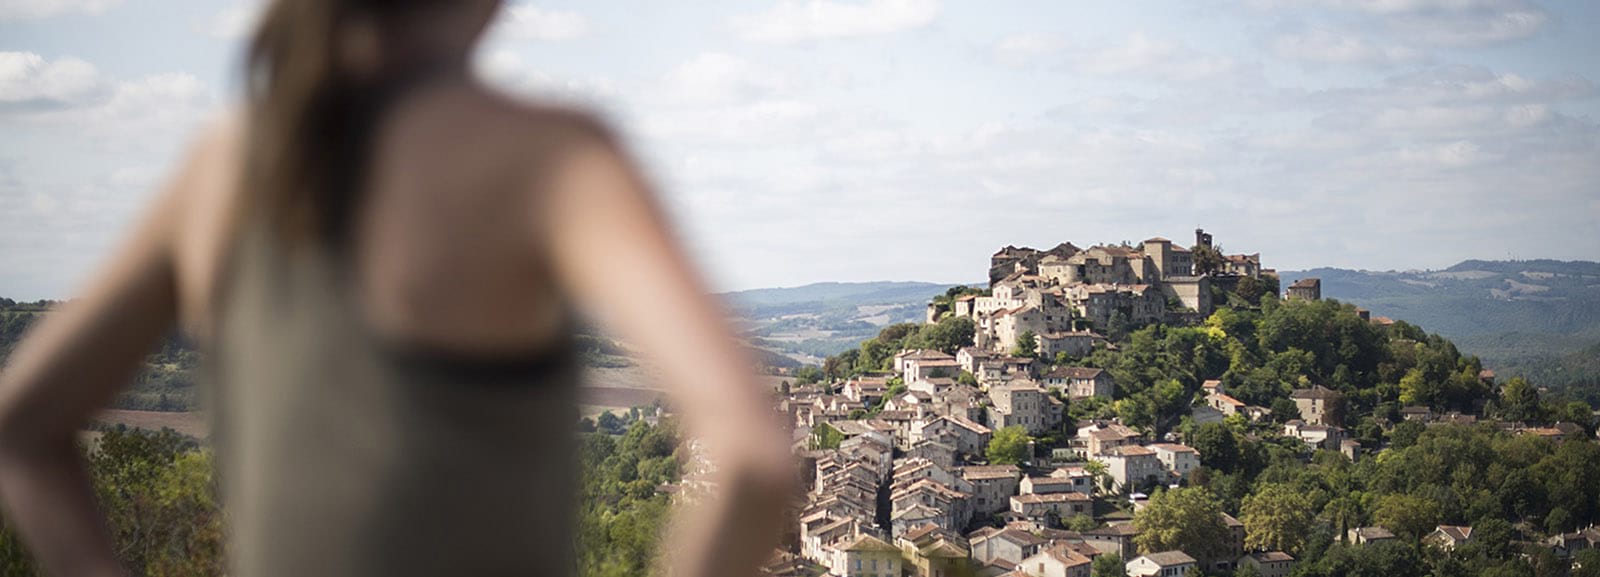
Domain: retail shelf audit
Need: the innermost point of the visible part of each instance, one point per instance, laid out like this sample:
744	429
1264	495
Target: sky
799	141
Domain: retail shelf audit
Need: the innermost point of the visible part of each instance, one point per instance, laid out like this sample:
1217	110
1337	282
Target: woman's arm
69	367
615	254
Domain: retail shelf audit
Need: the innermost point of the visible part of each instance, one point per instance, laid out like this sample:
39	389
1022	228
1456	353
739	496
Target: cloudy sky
813	140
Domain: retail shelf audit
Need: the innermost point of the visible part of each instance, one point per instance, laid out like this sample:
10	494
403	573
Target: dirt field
192	424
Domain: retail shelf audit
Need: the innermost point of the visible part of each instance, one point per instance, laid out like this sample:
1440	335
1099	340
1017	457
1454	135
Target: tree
1187	519
609	423
1407	515
1588	561
1009	446
1277	517
1343	513
1519	401
947	335
1027	345
1101	475
1207	259
1217	447
1081	523
1109	566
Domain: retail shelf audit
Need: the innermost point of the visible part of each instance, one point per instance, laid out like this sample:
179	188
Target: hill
1533	317
817	320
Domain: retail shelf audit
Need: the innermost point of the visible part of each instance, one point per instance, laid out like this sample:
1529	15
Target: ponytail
307	129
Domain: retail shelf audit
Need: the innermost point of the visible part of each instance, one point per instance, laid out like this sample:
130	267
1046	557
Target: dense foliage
158	493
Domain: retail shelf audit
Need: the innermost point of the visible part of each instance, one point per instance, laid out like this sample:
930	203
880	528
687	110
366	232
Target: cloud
1441	22
717	78
32	9
795	21
528	22
1142	55
1026	48
1323	46
29	81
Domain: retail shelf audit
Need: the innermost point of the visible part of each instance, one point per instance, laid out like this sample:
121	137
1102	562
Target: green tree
1027	345
1217	447
1277	517
1187	519
1519	401
1407	515
1009	446
1109	565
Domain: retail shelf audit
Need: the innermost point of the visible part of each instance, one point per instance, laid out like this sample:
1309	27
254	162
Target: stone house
1116	539
967	436
1010	545
1059	560
1269	563
1132	465
992	486
1316	403
1081	382
1180	460
1022	402
866	556
1448	537
1163	564
1037	508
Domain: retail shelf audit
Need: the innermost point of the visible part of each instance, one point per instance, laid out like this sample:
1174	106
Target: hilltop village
968	462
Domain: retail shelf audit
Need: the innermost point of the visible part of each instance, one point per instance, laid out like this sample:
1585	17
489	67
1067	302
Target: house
1009	545
1306	289
992	486
1073	343
1235	544
1047	485
951	508
1180	460
1114	539
967	436
1314	436
1022	402
934	552
1448	537
866	556
1039	508
919	364
935	451
1102	436
1224	404
1163	564
1315	404
1350	448
1060	560
1081	382
1132	465
1269	563
866	390
1365	535
1082	480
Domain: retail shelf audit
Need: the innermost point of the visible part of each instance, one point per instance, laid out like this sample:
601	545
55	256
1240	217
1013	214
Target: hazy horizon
847	141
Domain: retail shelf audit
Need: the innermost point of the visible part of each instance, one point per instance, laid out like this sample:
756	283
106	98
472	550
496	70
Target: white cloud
1329	47
1026	48
794	20
528	22
31	9
1442	22
1145	56
717	78
27	79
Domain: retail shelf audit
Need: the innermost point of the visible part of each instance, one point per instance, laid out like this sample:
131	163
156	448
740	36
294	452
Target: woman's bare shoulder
578	126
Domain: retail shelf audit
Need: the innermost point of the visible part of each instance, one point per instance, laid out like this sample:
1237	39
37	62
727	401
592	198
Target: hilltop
1532	317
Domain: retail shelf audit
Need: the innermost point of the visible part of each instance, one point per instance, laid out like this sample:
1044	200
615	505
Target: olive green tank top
345	455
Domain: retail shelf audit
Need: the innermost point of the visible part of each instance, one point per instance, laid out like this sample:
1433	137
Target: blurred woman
383	261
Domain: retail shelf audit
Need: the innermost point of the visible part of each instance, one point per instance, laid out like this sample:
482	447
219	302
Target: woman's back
390	345
404	405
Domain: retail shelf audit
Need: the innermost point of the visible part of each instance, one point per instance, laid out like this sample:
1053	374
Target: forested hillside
1522	317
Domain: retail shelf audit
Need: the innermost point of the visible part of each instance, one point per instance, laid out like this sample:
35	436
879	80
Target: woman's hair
310	116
